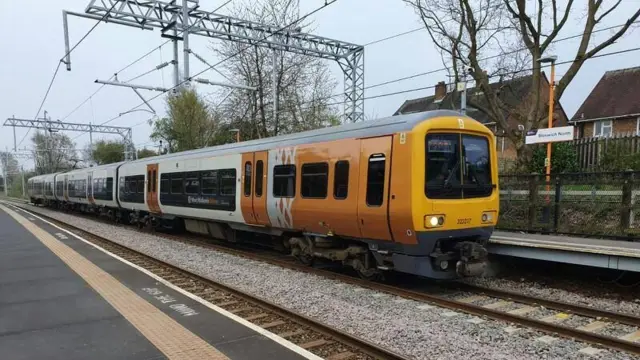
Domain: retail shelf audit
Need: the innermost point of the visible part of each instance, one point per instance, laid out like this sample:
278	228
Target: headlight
488	216
433	221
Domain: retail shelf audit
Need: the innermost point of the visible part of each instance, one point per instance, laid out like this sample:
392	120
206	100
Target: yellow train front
455	198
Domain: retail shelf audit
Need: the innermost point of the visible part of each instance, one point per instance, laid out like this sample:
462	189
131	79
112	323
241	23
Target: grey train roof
388	125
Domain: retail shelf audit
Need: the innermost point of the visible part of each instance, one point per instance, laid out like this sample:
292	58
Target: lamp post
237	131
549	59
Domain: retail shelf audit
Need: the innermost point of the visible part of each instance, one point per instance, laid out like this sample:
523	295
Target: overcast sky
33	42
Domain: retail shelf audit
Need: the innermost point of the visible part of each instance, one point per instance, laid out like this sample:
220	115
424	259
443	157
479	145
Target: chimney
441	90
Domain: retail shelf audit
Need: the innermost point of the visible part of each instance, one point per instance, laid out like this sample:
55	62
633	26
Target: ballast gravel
547	292
408	327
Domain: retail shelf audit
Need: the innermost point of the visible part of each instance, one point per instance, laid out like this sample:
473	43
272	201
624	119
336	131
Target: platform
62	298
610	254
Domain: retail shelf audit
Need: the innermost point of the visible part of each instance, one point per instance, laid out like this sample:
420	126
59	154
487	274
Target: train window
284	181
314	180
247	178
141	185
259	176
164	184
209	182
228	182
109	187
192	183
176	184
375	180
154	179
148	181
341	180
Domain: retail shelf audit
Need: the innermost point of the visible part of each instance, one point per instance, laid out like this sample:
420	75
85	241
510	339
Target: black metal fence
604	204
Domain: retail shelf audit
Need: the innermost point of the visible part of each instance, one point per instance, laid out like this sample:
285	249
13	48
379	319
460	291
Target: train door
152	189
373	188
260	188
246	192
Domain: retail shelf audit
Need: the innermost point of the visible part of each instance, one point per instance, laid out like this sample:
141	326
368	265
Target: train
414	193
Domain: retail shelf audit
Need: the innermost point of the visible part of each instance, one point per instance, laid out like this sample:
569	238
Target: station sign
546	135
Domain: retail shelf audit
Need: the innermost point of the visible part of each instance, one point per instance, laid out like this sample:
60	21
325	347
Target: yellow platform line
171	338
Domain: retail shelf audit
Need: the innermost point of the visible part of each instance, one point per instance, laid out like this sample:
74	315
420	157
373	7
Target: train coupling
473	259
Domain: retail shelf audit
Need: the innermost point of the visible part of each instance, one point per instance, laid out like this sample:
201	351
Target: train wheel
307	260
371	274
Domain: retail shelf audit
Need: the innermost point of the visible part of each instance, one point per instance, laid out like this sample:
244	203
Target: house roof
615	95
510	91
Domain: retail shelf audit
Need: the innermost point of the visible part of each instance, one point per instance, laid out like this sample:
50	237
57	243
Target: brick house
514	92
613	106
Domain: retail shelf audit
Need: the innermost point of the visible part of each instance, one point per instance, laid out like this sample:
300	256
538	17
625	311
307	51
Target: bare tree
469	34
53	152
303	84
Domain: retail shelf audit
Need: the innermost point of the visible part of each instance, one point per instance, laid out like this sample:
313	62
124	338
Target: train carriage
414	193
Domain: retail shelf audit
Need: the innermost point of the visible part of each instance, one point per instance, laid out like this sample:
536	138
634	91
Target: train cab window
165	183
284	181
259	176
247	178
192	183
341	180
314	180
176	184
375	180
209	182
228	182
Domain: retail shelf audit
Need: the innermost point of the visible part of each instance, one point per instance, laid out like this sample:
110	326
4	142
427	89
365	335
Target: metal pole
550	125
185	37
65	24
15	147
176	67
4	173
23	188
275	86
463	100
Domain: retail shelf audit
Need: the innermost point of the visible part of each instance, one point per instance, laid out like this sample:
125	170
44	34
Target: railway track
309	334
515	308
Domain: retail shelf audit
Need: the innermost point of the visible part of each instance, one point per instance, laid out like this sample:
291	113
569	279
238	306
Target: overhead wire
159	48
55	73
60	63
326	4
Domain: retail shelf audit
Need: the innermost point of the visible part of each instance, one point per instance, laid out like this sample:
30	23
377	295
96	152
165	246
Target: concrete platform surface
608	254
609	247
61	298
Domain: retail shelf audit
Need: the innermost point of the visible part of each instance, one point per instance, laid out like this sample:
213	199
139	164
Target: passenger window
176	184
228	182
141	185
341	180
247	178
209	183
314	180
259	176
284	181
192	184
375	180
164	184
